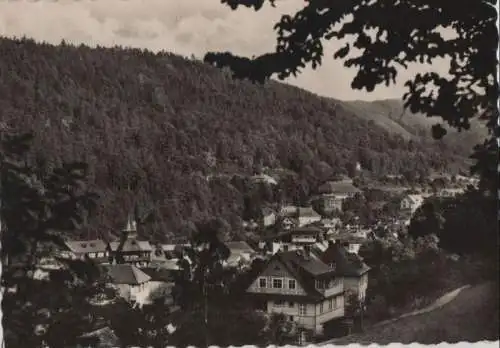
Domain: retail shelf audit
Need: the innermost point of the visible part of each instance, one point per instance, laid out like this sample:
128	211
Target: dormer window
332	265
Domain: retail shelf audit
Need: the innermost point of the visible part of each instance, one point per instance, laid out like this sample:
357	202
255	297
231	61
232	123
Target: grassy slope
390	115
472	316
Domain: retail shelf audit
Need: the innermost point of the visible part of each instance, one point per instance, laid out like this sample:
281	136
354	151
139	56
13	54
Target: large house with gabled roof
81	249
303	288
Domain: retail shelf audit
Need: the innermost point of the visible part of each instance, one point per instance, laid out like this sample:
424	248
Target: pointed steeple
131	227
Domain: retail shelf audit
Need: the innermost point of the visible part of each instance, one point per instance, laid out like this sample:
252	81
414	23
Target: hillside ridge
153	127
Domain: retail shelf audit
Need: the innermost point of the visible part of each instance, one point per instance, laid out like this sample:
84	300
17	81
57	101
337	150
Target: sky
185	27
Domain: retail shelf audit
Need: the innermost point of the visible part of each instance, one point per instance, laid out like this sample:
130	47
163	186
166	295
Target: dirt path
440	302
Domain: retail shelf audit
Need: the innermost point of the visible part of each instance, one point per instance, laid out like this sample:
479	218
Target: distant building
241	254
263	178
79	250
133	284
349	241
268	217
132	250
411	203
292	239
303	288
332	194
451	192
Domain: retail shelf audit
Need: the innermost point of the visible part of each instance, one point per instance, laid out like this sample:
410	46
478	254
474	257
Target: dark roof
346	264
305	269
132	245
86	246
239	246
306	211
159	274
338	187
126	274
306	230
349	238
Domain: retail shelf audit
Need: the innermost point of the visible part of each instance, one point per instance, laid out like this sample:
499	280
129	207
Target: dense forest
160	130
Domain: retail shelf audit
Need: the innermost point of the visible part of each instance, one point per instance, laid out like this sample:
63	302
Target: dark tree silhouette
38	211
201	279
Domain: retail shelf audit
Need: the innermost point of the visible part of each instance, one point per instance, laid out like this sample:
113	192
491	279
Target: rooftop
86	246
346	264
338	187
126	274
304	268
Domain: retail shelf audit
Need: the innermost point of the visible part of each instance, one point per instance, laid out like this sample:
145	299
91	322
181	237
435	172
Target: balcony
334	287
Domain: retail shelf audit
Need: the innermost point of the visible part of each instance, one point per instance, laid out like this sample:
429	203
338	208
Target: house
329	226
350	241
268	217
411	202
264	179
132	284
79	250
303	288
332	194
241	254
292	239
160	285
305	235
132	250
450	192
306	216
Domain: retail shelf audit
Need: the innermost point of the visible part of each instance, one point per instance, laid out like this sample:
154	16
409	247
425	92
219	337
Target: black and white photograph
216	173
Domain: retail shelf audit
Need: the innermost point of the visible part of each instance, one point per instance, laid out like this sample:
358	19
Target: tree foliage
466	225
40	208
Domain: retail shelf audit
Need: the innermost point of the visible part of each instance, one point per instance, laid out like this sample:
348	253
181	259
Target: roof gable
132	245
126	274
346	264
86	246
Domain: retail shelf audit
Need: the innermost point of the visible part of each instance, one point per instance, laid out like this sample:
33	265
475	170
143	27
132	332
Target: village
311	258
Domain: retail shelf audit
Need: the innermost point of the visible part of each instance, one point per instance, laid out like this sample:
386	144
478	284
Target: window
330	304
302	309
291	318
291	304
262	283
335	302
321	284
291	284
279	303
321	309
277	283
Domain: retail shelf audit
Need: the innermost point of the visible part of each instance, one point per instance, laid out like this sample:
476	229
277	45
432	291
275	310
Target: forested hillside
154	127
